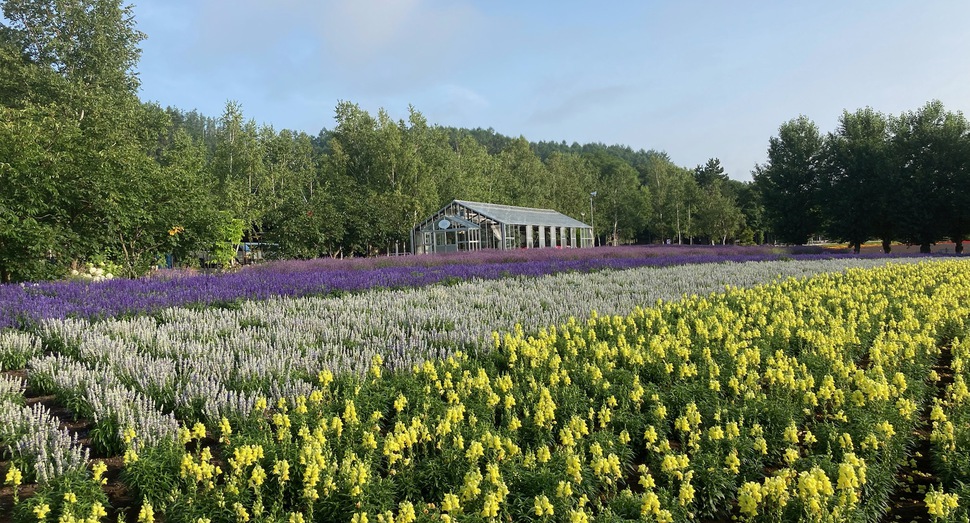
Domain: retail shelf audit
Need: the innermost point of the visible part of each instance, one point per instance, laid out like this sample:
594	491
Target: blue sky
695	79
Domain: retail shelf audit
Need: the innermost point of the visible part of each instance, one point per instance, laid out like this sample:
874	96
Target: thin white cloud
362	29
463	96
564	109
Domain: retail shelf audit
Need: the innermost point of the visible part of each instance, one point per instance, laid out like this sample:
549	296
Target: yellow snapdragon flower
146	514
749	497
543	507
14	477
939	504
451	503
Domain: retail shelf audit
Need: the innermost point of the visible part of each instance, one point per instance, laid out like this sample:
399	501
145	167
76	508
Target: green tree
414	155
718	216
788	182
954	165
73	93
621	204
475	172
686	199
858	185
390	171
304	220
92	44
929	146
520	177
185	203
710	174
663	179
306	224
749	202
34	228
570	180
238	169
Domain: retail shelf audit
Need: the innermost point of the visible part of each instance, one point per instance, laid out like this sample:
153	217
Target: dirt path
916	475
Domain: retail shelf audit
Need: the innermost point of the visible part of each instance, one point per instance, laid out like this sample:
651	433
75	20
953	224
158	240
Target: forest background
89	173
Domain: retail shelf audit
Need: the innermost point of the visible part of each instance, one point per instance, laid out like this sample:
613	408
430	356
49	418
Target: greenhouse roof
522	215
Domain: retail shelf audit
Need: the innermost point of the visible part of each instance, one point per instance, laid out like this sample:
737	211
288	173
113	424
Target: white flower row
99	391
10	387
91	273
16	348
33	434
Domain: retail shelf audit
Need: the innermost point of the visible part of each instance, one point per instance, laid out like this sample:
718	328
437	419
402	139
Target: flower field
829	390
25	305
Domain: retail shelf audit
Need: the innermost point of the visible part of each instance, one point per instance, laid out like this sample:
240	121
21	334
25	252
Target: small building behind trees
470	226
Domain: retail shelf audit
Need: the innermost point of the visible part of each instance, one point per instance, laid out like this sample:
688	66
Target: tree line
880	177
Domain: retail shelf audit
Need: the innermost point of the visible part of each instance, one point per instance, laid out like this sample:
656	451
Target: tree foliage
789	181
888	178
858	180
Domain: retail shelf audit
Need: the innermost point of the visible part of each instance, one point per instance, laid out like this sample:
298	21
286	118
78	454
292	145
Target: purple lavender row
25	305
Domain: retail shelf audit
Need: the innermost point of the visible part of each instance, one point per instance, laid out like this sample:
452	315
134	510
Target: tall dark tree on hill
710	174
954	168
748	199
788	182
859	185
958	210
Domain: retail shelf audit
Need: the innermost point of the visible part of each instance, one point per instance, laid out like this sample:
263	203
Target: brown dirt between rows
909	506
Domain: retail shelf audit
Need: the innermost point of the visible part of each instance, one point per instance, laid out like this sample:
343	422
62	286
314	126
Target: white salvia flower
11	386
39	438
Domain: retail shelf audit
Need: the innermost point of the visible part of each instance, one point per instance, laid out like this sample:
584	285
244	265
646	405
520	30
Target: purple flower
25	305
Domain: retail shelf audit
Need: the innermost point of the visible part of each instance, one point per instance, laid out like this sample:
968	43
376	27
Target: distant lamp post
592	220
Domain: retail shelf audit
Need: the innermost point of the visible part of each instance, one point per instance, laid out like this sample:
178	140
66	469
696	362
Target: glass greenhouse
470	226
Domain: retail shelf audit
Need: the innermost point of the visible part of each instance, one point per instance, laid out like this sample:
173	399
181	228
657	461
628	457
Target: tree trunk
857	247
679	238
957	240
924	248
887	245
